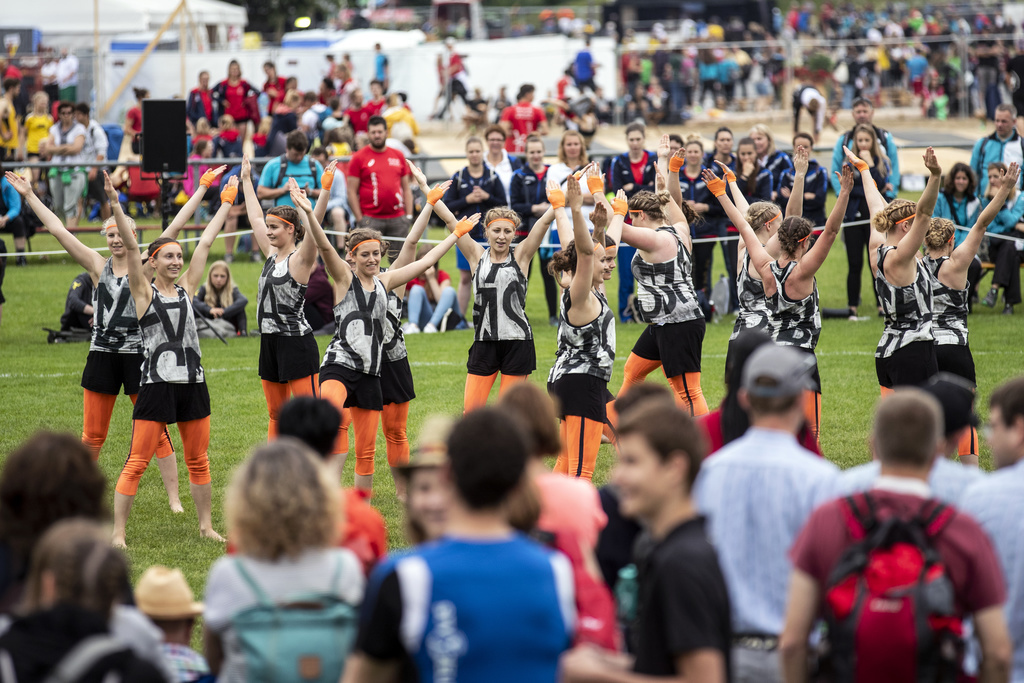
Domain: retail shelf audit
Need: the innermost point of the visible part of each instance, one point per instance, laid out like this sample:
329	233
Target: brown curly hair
362	234
940	231
502	212
792	232
651	203
897	210
760	213
290	214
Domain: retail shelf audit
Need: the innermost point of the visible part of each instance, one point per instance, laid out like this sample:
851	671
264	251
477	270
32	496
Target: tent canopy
64	17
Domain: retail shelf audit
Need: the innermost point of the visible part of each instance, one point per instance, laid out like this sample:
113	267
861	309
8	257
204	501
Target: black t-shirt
991	60
683	601
1016	67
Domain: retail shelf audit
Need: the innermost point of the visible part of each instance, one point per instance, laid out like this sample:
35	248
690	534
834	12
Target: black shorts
815	376
170	403
106	372
516	357
362	390
677	346
284	358
17	227
582	396
913	365
396	381
957	360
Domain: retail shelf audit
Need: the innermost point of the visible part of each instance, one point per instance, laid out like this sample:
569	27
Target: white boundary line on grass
444	363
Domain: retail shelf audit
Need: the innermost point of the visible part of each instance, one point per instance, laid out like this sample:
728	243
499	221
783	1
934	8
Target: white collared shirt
905	485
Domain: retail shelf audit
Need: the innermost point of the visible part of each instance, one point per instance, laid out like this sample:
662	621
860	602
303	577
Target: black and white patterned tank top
665	290
588	349
907	310
793	323
280	301
499	300
359	321
115	324
170	341
753	313
949	308
394	339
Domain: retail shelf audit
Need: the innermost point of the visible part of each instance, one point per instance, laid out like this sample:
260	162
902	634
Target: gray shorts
388	227
66	195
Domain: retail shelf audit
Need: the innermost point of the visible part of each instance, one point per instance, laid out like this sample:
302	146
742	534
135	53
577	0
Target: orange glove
463	227
556	198
434	195
228	194
716	187
729	175
209	178
675	163
620	206
326	180
595	184
860	165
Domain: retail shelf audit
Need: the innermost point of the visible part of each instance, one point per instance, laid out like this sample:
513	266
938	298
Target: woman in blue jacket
1003	252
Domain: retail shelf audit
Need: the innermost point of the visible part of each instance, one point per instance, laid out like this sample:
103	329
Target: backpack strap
282	170
263	598
83	657
312	172
859	521
937	519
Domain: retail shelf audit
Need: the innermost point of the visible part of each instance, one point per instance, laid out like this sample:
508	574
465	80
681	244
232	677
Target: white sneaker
429	329
411	328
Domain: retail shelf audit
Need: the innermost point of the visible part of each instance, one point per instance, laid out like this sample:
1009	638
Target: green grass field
41	390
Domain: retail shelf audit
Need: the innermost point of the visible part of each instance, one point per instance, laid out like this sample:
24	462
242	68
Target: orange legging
581	440
885	391
478	388
689	395
812	413
96	414
195	439
968	443
395	419
366	423
277	393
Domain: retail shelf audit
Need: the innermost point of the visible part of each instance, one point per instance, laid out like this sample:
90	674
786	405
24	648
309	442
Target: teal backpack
303	640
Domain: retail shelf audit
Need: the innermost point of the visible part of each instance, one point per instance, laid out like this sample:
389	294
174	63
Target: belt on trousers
756	641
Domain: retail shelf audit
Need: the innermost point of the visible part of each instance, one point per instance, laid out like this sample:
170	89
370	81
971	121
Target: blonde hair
228	120
897	210
86	570
940	231
767	132
693	139
503	213
877	150
226	296
266	123
759	213
112	223
292	98
280	503
584	159
361	235
203	126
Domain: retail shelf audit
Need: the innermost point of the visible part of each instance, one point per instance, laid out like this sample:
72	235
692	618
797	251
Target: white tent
69	23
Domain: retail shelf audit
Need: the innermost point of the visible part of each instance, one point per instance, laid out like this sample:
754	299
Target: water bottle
627	591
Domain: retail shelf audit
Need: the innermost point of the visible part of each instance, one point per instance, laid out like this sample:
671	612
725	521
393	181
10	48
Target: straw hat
163	593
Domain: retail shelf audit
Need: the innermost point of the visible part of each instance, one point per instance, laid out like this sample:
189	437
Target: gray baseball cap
789	368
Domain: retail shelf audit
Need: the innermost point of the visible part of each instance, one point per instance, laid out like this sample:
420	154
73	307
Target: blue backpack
303	640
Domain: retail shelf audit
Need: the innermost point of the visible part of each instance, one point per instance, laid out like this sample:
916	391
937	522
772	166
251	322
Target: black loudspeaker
164	140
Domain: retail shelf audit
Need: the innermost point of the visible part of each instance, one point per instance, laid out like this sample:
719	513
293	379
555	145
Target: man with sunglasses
67	181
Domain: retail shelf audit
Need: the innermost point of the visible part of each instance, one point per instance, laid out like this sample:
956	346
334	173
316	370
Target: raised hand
677	161
727	173
434	196
228	194
855	160
23	187
599	216
466	224
108	188
298	196
664	148
417	174
1011	177
574	197
931	162
245	172
800	159
846	179
555	195
716	185
210	177
620	205
327	177
595	183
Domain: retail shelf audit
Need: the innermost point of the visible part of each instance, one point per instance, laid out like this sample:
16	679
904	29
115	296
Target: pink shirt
569	504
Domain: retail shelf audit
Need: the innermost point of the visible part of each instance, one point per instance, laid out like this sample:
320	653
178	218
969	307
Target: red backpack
889	604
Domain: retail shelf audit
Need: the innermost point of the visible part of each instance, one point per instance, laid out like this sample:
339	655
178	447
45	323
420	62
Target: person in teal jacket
1003	252
1004	145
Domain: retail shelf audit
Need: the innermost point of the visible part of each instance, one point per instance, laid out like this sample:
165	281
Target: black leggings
857	239
703	256
1007	273
550	286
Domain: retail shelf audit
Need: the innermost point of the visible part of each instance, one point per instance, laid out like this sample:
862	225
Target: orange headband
804	238
283	220
778	215
358	244
153	254
495	220
905	219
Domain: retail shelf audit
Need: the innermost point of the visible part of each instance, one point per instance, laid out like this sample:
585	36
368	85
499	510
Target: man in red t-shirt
378	186
522	119
908	426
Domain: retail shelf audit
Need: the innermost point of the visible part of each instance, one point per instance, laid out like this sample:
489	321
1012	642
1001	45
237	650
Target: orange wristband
675	164
326	180
620	207
730	175
860	165
208	178
557	199
595	184
463	227
228	194
434	195
716	187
